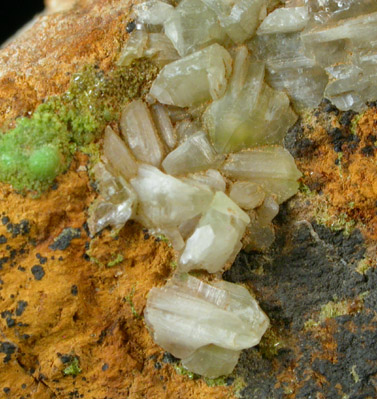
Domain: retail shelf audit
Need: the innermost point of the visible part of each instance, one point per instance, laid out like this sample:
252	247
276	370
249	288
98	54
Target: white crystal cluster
201	159
208	324
321	48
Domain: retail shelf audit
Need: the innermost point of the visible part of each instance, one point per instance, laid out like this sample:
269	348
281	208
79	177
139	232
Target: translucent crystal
335	10
140	133
166	201
193	155
267	211
134	48
160	49
250	113
346	87
247	195
340	46
150	45
187	128
192	26
117	203
212	361
273	168
187	314
210	178
239	18
194	79
164	125
291	68
153	12
283	20
119	156
218	233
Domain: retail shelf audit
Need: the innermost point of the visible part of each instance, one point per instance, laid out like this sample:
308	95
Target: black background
15	14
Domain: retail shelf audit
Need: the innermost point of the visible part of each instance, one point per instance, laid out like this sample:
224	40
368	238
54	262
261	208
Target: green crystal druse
41	147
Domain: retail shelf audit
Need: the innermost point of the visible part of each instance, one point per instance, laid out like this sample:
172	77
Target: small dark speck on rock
169	358
25	227
86	229
23	386
8	349
3	239
21	269
21	306
74	290
42	260
346	118
157	366
368	151
329	107
5	314
3	261
65	358
10	322
105	367
229	381
6	390
64	240
38	272
131	26
5	220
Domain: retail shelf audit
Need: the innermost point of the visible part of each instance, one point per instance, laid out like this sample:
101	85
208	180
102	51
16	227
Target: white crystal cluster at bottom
205	324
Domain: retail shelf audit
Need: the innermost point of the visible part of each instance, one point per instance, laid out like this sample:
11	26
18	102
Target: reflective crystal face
201	159
204	324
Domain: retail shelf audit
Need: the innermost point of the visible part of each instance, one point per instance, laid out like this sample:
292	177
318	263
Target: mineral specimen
206	325
214	122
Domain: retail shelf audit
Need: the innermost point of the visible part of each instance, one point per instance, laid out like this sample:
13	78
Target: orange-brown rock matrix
338	160
71	307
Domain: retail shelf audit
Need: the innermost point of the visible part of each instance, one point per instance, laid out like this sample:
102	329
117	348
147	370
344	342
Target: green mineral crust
41	147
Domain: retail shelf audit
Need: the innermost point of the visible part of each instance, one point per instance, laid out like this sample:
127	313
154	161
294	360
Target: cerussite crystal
179	83
201	323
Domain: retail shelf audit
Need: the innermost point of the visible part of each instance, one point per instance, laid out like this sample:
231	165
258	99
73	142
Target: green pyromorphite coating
39	148
74	368
45	162
34	152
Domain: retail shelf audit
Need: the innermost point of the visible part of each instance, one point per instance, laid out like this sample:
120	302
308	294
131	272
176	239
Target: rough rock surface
71	303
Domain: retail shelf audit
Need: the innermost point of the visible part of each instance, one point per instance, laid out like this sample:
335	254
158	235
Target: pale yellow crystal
273	168
140	133
119	156
195	78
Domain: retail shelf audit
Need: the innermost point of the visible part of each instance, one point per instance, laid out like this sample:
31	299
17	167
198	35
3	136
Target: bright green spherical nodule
45	162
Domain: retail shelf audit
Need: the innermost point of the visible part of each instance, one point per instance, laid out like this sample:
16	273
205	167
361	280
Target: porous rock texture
64	296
